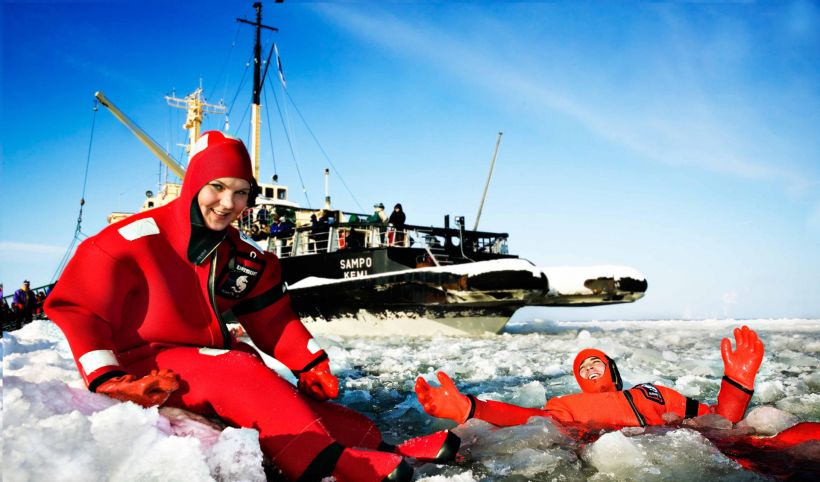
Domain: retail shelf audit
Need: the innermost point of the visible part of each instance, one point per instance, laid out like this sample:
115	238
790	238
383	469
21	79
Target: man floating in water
604	404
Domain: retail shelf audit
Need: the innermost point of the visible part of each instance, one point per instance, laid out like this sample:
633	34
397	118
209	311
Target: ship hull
470	298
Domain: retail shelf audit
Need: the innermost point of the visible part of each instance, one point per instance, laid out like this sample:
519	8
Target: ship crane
143	136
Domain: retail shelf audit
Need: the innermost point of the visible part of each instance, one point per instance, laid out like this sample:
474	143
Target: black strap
316	361
472	407
323	464
261	301
692	406
104	378
738	385
615	374
385	447
641	420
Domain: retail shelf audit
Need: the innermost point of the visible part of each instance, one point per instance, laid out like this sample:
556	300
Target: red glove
445	401
739	369
152	389
318	383
742	364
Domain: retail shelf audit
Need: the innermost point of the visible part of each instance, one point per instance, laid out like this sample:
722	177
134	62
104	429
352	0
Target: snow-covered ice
54	429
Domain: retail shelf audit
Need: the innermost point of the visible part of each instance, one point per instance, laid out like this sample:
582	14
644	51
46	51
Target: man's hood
610	381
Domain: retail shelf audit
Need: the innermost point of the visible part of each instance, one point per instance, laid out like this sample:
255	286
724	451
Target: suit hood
610	381
215	156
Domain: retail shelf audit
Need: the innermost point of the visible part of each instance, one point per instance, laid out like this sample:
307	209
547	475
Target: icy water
531	362
54	429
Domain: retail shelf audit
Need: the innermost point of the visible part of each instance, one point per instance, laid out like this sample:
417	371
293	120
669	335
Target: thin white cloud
31	261
13	251
813	221
681	125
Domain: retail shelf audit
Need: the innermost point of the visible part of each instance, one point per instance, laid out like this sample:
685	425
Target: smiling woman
153	336
222	200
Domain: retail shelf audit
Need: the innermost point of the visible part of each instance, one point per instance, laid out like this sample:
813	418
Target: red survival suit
155	291
604	404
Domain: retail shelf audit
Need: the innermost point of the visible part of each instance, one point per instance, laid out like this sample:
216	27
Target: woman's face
592	368
223	200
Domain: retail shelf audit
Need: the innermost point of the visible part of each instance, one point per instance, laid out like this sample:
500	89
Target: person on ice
603	402
145	305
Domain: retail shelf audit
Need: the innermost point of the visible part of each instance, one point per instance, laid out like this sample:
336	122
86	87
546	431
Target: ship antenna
487	185
327	188
257	85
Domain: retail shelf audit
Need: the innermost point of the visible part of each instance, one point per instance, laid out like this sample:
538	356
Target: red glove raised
318	383
445	401
152	389
742	364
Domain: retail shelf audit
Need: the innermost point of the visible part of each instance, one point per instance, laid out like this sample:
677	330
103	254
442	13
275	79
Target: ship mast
195	106
257	86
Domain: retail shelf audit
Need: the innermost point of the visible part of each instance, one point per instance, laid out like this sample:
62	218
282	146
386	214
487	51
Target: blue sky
678	138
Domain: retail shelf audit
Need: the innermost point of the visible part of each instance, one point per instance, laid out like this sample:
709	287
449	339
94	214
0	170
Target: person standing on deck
379	218
397	220
23	303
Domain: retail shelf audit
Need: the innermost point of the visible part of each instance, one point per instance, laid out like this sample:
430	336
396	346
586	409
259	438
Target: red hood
609	382
215	156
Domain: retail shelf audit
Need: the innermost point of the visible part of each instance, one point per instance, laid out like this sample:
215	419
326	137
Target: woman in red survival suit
603	403
144	305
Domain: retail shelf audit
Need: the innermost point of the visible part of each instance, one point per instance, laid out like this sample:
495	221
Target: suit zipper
226	335
641	420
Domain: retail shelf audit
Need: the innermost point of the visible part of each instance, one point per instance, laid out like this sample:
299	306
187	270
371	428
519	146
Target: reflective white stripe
200	144
139	228
212	351
313	347
94	360
204	142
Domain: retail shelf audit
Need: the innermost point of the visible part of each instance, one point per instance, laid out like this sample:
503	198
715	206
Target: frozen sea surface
54	429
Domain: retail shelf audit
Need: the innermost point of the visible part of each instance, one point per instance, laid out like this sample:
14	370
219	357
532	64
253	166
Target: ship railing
430	256
304	241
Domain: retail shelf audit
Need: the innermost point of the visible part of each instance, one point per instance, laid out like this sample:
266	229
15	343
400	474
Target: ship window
268	192
281	194
150	204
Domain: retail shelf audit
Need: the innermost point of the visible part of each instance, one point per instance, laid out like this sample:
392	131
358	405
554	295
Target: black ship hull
384	284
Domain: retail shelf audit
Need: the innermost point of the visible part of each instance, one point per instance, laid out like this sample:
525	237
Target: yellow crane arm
173	165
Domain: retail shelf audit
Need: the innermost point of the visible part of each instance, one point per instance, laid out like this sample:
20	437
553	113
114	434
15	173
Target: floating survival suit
793	454
155	292
602	404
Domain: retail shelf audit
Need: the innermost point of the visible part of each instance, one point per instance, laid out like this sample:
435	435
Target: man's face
592	368
223	200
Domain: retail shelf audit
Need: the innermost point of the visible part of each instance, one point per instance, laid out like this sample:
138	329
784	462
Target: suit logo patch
651	392
240	276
